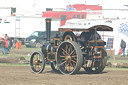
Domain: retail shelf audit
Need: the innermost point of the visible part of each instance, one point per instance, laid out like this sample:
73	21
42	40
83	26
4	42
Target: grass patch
13	64
16	55
118	61
23	52
116	69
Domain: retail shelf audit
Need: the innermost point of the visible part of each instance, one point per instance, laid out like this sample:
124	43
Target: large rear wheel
37	62
101	67
69	36
69	57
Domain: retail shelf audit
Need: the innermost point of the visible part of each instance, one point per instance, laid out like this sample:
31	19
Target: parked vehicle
38	38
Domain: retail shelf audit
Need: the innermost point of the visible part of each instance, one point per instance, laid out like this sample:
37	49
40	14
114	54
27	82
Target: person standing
6	46
6	36
2	43
123	46
10	43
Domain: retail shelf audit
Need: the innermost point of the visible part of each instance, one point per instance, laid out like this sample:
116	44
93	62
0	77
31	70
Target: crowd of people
6	44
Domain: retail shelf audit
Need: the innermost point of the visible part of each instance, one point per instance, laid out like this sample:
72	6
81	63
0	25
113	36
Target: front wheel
37	62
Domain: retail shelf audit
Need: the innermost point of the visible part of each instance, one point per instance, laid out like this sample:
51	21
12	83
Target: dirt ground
22	75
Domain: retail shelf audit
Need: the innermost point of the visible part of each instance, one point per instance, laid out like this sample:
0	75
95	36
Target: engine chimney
48	28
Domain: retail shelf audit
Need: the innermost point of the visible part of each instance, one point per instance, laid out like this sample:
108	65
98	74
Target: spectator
2	44
10	43
6	46
14	42
123	46
6	36
0	39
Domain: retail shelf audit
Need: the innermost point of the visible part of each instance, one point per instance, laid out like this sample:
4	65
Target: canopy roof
82	24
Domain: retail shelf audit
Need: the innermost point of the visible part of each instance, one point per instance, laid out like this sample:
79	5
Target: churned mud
22	75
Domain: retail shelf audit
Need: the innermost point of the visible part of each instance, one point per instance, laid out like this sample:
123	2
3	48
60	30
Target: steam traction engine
70	52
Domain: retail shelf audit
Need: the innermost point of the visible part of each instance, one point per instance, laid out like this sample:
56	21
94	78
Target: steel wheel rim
68	37
37	62
69	57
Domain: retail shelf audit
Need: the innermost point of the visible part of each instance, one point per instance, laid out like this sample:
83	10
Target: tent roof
82	24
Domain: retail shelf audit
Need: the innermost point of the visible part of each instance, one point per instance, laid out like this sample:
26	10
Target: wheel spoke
40	64
34	62
36	57
63	59
65	51
62	63
66	65
40	58
62	56
69	49
72	65
73	56
72	52
73	61
70	68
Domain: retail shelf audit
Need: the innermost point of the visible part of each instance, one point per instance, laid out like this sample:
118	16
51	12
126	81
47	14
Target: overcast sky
43	4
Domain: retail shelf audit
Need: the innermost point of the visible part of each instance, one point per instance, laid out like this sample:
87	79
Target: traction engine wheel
98	69
69	36
37	62
54	66
69	57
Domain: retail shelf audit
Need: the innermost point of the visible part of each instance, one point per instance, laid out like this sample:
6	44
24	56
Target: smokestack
48	28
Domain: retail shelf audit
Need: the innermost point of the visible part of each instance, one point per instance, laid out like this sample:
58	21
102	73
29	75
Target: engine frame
73	51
